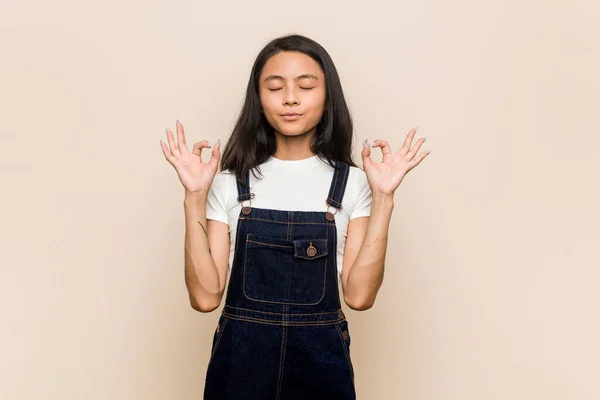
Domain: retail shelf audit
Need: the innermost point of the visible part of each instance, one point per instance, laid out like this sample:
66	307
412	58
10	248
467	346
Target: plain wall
491	282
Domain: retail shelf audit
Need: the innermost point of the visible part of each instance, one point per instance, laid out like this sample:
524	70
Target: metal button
330	216
246	210
341	314
311	251
345	335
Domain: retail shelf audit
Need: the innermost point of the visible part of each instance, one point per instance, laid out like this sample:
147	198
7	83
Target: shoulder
223	178
359	193
357	173
222	183
357	178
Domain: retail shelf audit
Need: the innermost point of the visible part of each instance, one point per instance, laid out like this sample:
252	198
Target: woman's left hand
386	176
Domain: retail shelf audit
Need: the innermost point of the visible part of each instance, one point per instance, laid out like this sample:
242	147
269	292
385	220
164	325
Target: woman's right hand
194	175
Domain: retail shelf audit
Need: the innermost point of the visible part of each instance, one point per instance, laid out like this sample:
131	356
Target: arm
206	254
206	245
364	254
366	241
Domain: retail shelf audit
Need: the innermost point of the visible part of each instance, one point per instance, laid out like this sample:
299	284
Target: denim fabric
282	334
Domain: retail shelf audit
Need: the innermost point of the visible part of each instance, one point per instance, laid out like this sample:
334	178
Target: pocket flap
310	249
273	242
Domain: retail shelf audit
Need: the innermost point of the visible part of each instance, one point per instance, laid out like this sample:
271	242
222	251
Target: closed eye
302	88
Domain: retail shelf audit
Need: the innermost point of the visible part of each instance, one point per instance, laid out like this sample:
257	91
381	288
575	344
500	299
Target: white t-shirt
291	185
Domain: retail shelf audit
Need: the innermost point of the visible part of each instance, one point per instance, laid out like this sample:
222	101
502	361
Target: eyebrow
304	76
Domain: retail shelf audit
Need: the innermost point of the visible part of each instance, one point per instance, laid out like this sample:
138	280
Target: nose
290	98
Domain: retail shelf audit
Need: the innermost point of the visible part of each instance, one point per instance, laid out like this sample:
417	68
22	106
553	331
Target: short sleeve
364	197
216	205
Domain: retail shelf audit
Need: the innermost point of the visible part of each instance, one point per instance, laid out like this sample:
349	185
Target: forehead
290	64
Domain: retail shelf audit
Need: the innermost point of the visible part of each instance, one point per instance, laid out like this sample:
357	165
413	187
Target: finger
418	159
198	146
411	154
216	155
181	142
366	155
385	147
167	152
408	141
172	145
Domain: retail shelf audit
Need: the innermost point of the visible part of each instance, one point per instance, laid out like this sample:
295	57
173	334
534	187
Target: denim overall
282	334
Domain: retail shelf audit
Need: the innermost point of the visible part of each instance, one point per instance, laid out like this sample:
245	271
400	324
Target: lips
291	116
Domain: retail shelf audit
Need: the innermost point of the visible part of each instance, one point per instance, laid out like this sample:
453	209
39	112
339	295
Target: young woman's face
292	93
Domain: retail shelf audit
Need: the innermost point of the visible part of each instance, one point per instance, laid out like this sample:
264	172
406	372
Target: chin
290	132
293	131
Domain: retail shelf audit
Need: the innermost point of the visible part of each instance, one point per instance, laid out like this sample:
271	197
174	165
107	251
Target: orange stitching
221	330
335	174
281	361
279	323
283	302
324	253
344	183
235	255
290	223
267	312
334	201
335	263
339	331
322	245
244	274
325	269
269	244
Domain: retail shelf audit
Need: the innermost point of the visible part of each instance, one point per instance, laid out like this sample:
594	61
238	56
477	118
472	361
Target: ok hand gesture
194	175
386	176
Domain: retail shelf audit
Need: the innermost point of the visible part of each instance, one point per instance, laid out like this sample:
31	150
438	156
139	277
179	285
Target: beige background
491	285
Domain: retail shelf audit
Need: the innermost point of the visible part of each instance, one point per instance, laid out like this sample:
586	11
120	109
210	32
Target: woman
307	220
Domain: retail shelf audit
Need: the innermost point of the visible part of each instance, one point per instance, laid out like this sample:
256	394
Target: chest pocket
285	271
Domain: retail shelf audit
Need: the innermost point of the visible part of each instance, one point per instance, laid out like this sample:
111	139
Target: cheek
269	103
317	104
269	107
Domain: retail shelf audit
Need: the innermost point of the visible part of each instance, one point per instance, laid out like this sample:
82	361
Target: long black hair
253	140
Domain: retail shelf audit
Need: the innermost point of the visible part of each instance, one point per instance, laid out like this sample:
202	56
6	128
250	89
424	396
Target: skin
290	82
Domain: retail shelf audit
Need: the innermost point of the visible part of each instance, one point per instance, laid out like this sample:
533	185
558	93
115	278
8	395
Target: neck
293	147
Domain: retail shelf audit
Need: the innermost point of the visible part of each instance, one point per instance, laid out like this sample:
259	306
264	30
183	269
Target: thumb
216	154
366	155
